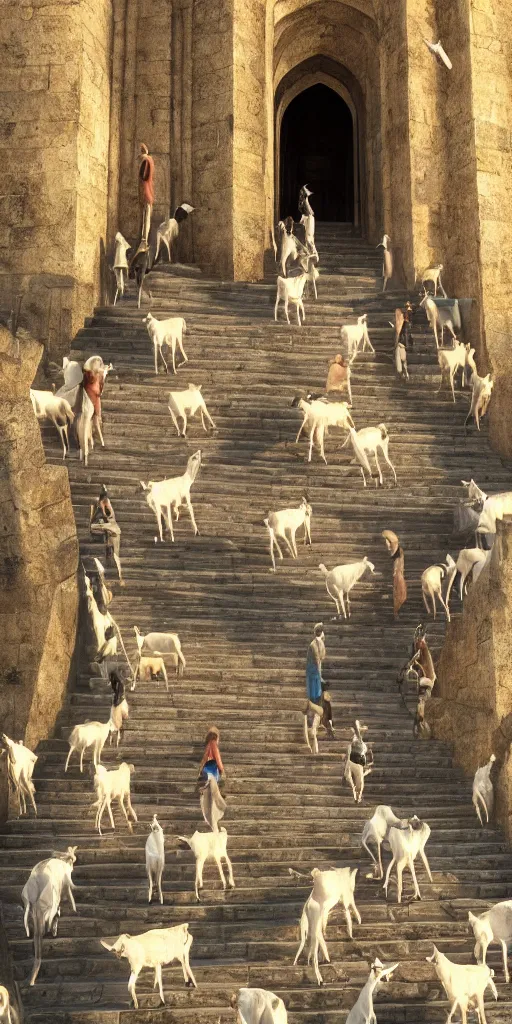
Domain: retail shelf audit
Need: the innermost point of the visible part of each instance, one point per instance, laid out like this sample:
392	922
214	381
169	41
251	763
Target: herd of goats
78	402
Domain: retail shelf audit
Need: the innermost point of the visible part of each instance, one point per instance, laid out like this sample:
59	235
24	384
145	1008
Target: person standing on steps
315	657
146	191
103	521
398	559
211	763
337	378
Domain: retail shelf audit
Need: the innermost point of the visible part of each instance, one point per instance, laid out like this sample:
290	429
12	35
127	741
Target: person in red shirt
146	190
211	763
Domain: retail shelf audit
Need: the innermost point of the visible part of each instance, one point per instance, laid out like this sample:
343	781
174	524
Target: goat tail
383	431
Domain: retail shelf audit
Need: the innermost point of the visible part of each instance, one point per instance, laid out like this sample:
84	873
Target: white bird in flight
438	51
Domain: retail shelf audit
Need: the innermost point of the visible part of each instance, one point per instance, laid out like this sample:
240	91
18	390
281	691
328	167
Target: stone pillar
38	562
54	98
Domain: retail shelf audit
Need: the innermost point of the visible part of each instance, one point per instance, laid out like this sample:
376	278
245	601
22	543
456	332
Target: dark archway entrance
317	148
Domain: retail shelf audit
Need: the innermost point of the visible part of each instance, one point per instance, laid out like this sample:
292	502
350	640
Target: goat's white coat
155	858
405	845
368	441
166	332
148	667
284	525
464	985
481	391
183	404
89	734
113	785
432	587
318	416
340	580
355	773
355	337
495	506
376	830
6	1015
493	926
210	846
291	290
433	274
362	1011
259	1006
155	949
336	885
437	317
167	496
49	881
55	408
452	359
469	560
20	768
168	644
483	790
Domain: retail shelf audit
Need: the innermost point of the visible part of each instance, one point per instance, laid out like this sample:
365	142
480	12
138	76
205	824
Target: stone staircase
245	633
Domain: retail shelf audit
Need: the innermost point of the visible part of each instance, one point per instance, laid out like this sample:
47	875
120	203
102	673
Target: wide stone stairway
245	633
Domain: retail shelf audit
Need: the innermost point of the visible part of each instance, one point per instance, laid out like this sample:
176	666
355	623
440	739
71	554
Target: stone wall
54	141
38	562
473	707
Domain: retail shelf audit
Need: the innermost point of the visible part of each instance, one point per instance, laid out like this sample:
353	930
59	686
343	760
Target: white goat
210	846
433	274
49	881
284	524
20	768
368	441
291	289
187	403
100	622
259	1006
481	390
57	409
120	266
148	668
468	560
160	644
167	496
495	925
166	332
464	985
340	580
8	1014
495	506
452	359
387	265
337	885
318	416
406	844
432	587
155	857
90	734
438	317
362	1011
288	246
355	337
113	785
483	790
155	949
376	830
358	762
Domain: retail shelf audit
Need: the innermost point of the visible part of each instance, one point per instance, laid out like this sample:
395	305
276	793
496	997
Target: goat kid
210	846
336	885
318	416
432	586
406	844
483	791
160	644
387	264
155	858
433	275
90	734
355	338
362	1011
368	441
186	403
149	669
464	985
167	496
20	768
284	524
155	949
113	785
57	409
340	580
452	359
49	881
166	332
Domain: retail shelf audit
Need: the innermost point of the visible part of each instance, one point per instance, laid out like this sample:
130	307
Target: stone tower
210	88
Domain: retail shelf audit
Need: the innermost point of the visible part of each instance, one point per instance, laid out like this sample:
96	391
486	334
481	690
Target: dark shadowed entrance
317	148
